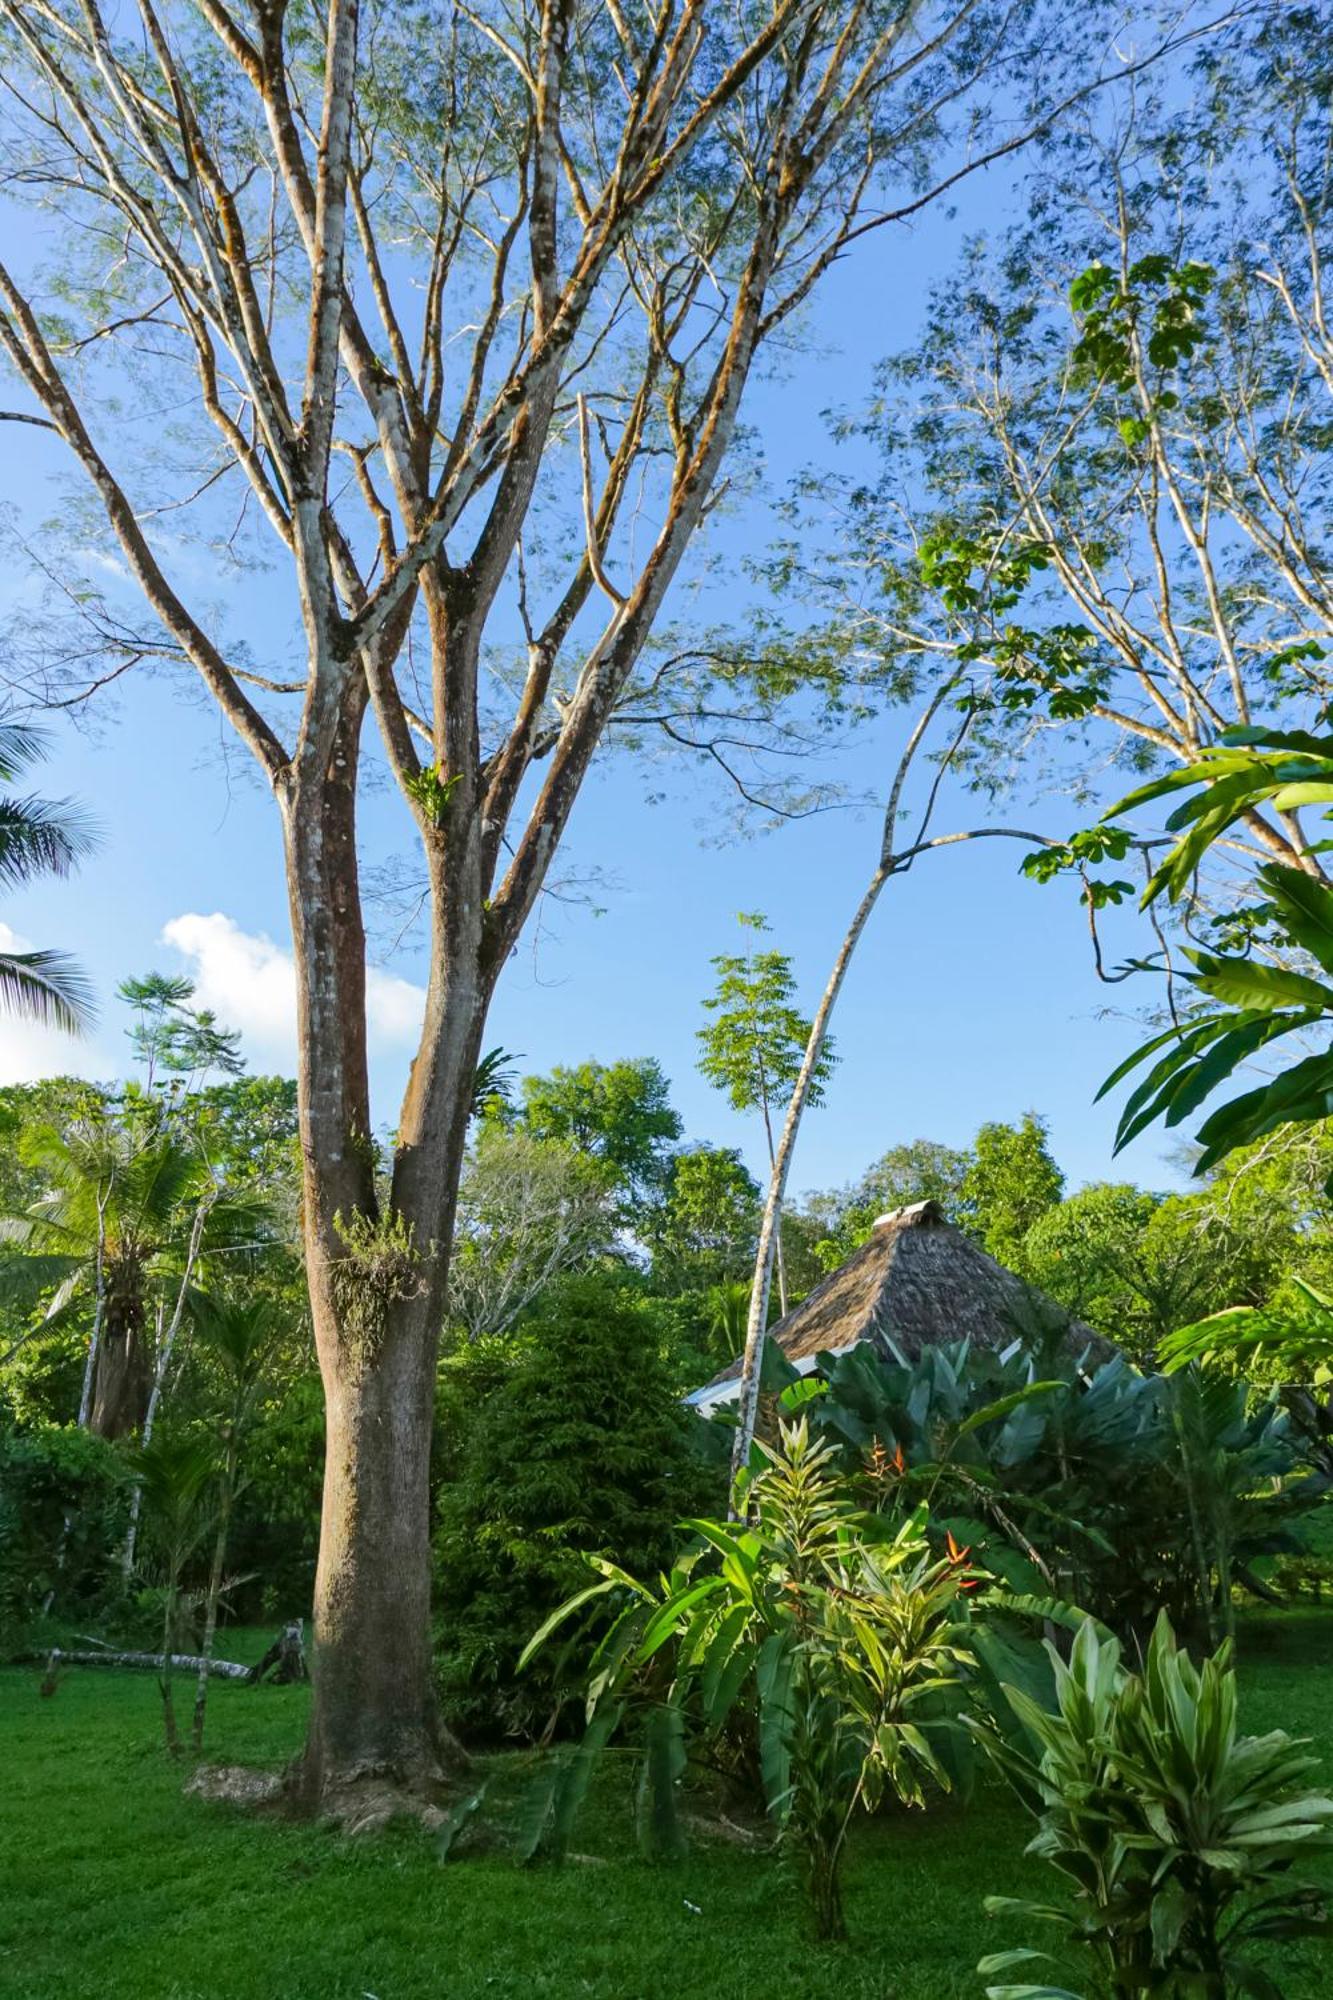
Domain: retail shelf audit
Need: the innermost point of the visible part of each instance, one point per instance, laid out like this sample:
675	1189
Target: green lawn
113	1886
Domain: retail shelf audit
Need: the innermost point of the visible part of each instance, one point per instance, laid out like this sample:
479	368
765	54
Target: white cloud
29	1052
250	983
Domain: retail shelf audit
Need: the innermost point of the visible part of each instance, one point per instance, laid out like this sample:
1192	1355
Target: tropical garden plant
1112	1489
811	1644
174	1475
1175	1836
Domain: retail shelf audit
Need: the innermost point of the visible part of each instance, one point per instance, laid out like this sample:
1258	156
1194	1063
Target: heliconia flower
958	1557
898	1462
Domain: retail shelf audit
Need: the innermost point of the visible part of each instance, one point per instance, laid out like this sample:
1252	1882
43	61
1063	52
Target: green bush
567	1441
62	1519
1175	1837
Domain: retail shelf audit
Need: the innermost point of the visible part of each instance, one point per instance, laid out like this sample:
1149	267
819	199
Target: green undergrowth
116	1886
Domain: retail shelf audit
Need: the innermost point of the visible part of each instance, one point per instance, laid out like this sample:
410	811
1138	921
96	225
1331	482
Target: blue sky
973	997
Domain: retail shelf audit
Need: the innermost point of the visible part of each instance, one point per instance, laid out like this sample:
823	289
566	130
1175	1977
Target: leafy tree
705	1232
530	1211
1010	1183
618	1114
920	1170
754	1044
1136	1265
481	378
573	1446
39	838
172	1039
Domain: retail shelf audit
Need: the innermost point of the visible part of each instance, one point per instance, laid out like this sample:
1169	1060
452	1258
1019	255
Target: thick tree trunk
123	1375
373	1714
376	1274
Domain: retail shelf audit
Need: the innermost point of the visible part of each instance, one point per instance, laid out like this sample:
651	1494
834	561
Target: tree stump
285	1660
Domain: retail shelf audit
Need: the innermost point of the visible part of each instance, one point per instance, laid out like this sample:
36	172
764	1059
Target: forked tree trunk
376	1274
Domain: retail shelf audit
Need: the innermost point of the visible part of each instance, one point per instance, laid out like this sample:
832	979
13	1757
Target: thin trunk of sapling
99	1306
890	863
168	1651
212	1601
165	1345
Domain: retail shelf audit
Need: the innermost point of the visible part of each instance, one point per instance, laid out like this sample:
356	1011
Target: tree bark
123	1376
376	1273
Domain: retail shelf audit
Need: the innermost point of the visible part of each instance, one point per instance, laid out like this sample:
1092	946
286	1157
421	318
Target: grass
114	1886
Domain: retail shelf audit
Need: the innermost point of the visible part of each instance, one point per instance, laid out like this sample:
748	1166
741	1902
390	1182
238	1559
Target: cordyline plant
836	1646
1177	1834
454	308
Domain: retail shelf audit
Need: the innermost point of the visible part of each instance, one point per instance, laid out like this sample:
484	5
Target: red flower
958	1557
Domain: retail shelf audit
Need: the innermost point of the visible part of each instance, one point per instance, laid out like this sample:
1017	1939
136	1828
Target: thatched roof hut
919	1282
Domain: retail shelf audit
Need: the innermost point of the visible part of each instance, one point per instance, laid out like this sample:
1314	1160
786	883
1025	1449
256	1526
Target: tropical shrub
1175	1836
1290	1340
825	1646
62	1516
1118	1491
565	1441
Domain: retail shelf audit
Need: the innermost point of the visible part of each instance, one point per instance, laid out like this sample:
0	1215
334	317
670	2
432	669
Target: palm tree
39	837
130	1213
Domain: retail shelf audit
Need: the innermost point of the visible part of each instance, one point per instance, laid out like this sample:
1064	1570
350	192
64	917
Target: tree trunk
123	1378
373	1714
376	1276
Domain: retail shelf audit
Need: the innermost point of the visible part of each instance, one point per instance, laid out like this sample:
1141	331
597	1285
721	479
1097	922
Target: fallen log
227	1670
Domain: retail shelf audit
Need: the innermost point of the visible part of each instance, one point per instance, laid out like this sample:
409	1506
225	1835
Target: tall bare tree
422	287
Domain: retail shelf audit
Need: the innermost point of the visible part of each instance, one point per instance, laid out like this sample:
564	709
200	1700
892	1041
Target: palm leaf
46	987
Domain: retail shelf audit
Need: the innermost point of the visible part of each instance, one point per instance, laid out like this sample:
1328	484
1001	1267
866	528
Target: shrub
565	1443
62	1519
1177	1833
1124	1493
834	1648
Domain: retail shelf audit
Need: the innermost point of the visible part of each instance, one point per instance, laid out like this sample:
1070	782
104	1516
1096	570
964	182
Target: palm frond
41	837
20	746
47	987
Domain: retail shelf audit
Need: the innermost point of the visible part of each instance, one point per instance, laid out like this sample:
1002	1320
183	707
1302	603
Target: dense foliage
1121	1492
567	1445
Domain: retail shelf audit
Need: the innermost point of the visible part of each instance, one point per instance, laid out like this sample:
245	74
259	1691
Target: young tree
39	838
172	1039
174	1475
753	1044
237	1335
390	264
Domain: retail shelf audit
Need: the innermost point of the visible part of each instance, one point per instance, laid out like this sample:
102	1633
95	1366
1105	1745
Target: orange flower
958	1557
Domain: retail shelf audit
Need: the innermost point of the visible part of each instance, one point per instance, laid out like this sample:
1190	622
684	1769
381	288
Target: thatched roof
919	1282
